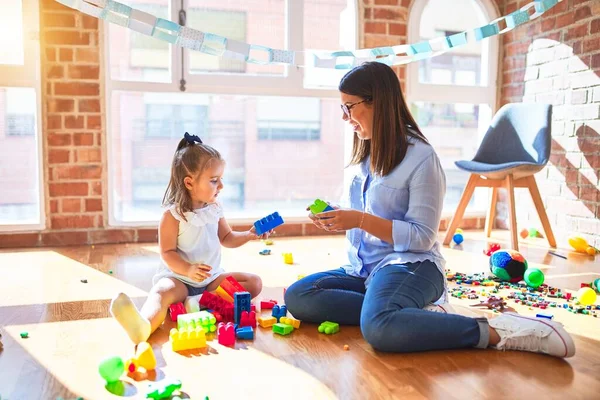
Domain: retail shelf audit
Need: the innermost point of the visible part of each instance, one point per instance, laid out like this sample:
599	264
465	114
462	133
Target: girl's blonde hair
191	158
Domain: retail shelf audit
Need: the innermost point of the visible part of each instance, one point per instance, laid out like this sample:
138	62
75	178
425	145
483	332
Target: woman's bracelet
362	218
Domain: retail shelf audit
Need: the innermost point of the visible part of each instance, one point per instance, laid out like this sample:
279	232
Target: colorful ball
508	265
534	277
586	296
458	238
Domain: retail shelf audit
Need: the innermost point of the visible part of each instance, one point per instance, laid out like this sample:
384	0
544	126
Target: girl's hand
338	220
199	272
253	236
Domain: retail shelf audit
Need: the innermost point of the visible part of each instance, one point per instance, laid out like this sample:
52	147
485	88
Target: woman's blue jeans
390	312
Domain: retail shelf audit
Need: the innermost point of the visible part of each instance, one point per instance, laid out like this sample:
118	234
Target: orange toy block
224	295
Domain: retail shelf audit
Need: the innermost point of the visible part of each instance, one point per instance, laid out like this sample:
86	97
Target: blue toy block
544	315
245	333
267	223
241	302
279	311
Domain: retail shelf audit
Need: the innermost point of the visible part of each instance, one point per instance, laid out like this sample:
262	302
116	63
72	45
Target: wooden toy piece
226	334
282	329
329	328
267	322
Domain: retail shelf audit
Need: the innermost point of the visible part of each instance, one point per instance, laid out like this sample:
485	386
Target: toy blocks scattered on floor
214	302
175	310
319	206
185	339
226	334
329	328
241	302
248	319
245	333
282	329
290	321
288	258
202	319
267	322
267	305
279	311
267	223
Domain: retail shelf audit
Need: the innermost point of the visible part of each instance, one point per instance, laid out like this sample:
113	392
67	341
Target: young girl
190	236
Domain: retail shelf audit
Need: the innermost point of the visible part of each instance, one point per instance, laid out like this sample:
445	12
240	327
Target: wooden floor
70	330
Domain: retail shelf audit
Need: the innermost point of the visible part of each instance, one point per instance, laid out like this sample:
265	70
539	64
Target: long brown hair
190	159
377	83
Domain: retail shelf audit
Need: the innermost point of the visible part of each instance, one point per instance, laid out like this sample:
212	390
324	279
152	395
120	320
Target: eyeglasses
347	107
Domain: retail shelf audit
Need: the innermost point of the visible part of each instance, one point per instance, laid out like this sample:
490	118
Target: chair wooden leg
539	206
512	214
462	206
491	214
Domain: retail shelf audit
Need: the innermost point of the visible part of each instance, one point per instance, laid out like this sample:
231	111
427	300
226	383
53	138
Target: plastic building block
248	319
267	322
176	310
267	305
269	242
329	328
226	334
163	389
245	333
290	321
253	307
214	302
185	339
224	295
111	369
282	329
544	315
241	302
265	252
319	206
202	319
144	356
279	311
231	286
288	258
267	223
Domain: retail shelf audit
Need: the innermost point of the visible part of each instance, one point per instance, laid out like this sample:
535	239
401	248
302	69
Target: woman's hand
199	272
338	220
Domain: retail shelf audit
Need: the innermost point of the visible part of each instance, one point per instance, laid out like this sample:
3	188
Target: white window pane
463	65
11	33
270	145
260	22
328	26
138	57
19	180
455	131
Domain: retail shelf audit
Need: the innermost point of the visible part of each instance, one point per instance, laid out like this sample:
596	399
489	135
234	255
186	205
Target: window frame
290	84
28	75
451	94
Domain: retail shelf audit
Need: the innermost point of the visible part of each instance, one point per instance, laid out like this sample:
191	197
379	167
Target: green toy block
202	319
329	328
282	329
163	389
319	206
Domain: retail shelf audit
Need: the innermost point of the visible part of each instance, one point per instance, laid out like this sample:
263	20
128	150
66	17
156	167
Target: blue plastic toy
267	223
245	333
241	302
279	311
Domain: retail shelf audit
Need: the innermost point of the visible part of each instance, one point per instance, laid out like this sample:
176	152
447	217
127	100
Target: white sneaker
445	308
539	335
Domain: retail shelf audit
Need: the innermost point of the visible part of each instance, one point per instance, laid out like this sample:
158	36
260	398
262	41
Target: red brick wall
74	130
556	60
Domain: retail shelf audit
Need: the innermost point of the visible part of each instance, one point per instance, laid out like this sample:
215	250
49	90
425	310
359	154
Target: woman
396	269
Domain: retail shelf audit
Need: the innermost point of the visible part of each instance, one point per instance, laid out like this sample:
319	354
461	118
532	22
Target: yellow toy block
267	322
223	294
144	356
288	258
187	339
290	321
301	277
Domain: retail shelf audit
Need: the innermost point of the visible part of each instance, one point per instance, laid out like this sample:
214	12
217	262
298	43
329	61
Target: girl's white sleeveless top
197	242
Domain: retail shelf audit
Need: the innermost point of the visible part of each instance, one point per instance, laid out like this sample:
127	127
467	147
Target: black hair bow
191	139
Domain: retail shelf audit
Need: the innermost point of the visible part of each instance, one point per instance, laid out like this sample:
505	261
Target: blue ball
458	238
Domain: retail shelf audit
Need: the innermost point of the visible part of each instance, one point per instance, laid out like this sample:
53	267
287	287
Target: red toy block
175	310
218	316
226	334
215	303
252	307
268	305
248	319
231	286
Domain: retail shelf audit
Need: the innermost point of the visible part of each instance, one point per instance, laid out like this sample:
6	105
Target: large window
20	169
453	94
270	122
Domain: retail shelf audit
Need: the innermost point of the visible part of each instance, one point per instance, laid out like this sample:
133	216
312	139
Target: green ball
533	232
534	277
111	369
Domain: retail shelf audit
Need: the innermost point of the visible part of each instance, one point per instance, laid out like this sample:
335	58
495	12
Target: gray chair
515	147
